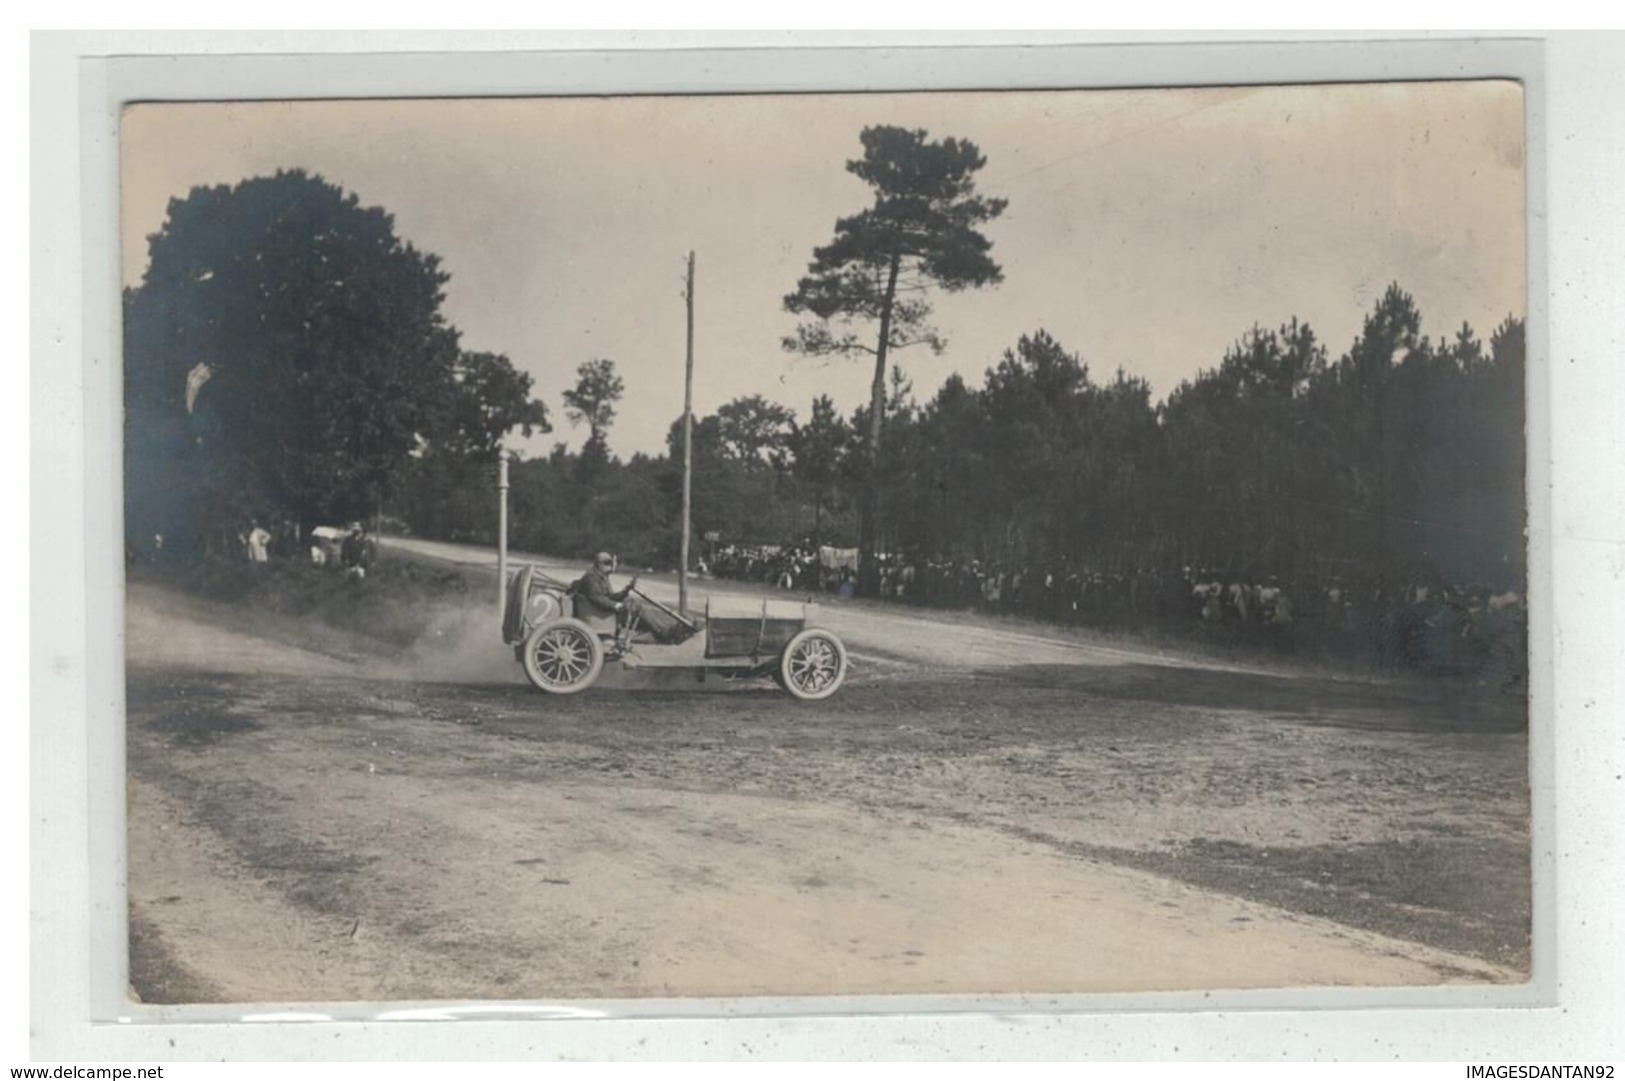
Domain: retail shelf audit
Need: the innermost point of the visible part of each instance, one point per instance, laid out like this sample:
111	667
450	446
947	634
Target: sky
1146	230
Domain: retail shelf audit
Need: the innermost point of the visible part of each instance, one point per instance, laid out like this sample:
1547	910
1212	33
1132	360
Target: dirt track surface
978	810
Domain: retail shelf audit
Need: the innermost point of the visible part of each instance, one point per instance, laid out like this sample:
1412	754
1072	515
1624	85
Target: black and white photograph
1028	542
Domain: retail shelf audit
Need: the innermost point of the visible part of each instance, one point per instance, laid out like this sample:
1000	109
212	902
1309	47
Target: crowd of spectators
350	549
793	567
1417	624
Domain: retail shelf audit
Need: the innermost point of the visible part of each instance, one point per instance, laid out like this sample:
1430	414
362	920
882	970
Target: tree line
1400	462
286	358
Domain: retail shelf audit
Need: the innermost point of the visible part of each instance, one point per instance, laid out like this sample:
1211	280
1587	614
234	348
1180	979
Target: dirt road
977	812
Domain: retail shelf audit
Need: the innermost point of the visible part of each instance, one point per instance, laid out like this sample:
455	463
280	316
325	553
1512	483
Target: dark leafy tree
1371	394
895	477
592	402
817	449
956	482
285	353
755	430
1034	408
921	232
735	496
449	488
1240	450
1500	457
489	398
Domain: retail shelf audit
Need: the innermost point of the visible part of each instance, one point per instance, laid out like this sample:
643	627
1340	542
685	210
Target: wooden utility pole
688	445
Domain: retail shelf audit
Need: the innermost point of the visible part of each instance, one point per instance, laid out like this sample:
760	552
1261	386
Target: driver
592	590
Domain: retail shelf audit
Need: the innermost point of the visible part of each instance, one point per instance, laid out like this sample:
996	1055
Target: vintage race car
564	647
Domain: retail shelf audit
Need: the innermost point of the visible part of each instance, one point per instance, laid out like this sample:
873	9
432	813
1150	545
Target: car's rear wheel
813	665
563	656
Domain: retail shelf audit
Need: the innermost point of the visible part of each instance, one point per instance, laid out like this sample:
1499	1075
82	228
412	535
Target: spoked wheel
813	665
563	657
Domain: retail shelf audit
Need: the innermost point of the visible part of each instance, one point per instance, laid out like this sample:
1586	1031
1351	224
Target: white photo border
79	1006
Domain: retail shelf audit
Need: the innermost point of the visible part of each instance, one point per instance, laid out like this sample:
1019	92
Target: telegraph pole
688	445
502	530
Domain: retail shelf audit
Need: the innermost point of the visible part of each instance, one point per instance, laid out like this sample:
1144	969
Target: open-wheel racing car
564	646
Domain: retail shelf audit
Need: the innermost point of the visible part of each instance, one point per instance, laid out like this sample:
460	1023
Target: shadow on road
1442	705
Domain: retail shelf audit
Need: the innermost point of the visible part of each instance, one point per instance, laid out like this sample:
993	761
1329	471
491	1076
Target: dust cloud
463	644
456	641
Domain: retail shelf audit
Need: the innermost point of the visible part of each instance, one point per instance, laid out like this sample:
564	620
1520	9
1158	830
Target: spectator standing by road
355	552
257	540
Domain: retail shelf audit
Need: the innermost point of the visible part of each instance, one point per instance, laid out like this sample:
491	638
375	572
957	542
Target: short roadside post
502	530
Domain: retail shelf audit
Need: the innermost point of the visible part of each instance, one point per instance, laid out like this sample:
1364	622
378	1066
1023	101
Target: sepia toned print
1093	559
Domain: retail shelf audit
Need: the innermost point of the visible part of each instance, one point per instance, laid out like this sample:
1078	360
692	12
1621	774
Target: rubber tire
788	660
582	636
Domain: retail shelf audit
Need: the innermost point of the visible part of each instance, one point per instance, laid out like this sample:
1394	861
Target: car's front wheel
563	656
